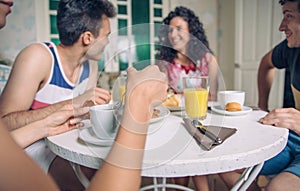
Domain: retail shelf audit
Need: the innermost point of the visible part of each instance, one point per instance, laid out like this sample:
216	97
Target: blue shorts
288	160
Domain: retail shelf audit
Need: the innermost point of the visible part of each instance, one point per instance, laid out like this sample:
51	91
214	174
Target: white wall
20	29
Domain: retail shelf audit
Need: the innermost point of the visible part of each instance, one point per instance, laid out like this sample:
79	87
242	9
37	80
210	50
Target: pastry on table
233	106
172	100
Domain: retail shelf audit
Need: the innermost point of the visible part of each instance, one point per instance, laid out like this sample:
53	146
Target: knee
273	186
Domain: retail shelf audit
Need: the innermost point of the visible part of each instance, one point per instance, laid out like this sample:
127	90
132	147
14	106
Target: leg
284	181
183	181
64	176
230	178
201	183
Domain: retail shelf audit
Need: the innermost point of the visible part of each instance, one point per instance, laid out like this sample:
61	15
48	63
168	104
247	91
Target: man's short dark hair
282	2
75	17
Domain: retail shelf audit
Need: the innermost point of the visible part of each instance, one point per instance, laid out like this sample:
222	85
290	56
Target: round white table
172	152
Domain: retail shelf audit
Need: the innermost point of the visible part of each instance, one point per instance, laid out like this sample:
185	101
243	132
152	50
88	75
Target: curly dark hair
198	44
75	17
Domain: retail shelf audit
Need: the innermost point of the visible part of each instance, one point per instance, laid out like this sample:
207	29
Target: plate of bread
174	102
232	108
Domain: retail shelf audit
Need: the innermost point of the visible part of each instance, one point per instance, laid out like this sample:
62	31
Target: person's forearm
213	79
19	119
29	134
126	156
22	172
265	78
264	83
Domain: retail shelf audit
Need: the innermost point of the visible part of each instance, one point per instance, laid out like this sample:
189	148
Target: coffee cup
225	97
103	120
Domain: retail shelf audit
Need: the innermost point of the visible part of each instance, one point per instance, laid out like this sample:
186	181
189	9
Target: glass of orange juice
195	89
122	87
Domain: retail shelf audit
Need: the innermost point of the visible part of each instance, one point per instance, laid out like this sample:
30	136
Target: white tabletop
172	152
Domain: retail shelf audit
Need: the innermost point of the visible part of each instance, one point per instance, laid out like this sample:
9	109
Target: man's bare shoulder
34	56
37	50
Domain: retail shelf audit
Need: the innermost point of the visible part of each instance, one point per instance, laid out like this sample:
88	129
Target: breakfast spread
233	106
171	101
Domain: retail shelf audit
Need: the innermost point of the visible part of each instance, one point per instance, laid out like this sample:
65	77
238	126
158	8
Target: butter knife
197	124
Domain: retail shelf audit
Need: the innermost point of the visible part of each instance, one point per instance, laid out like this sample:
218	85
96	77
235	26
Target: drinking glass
195	89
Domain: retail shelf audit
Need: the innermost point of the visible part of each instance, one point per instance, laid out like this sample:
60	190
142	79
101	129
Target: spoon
204	131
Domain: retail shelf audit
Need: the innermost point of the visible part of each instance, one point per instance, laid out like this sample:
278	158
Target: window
52	17
129	12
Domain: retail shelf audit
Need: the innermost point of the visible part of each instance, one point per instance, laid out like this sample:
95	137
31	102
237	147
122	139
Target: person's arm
18	171
265	77
66	119
30	72
122	168
144	90
162	65
283	117
213	69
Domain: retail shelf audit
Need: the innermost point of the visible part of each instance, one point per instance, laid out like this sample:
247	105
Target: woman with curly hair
184	50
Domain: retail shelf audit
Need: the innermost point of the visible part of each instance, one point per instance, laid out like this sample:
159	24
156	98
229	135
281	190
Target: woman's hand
65	119
283	117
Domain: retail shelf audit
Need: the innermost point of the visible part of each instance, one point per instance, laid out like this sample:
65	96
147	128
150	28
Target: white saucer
220	110
88	135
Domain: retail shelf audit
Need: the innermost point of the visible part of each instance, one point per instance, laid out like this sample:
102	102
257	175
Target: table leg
80	175
247	178
163	185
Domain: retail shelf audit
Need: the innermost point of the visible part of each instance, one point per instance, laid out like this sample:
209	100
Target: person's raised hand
148	84
145	89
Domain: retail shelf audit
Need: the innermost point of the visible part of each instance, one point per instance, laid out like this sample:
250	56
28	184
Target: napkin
205	142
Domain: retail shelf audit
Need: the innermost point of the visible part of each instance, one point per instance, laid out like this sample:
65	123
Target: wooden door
256	32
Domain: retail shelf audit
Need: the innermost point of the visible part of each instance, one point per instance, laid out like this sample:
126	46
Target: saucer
88	135
220	110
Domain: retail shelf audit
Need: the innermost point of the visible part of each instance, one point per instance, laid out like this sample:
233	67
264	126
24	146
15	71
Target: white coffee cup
103	121
228	96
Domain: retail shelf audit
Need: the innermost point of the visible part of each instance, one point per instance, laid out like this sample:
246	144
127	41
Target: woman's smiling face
179	34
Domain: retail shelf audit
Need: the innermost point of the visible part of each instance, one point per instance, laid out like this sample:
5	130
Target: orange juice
122	91
196	102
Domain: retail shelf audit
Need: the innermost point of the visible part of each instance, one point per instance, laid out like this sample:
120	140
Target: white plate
220	110
164	112
175	108
88	135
